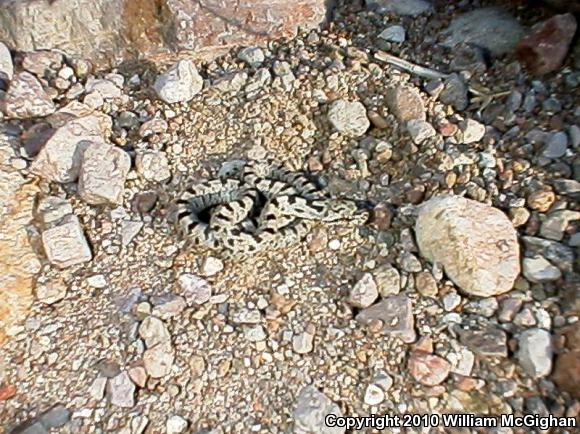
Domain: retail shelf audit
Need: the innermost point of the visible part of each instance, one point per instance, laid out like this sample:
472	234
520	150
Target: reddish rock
544	49
428	369
105	31
7	392
567	372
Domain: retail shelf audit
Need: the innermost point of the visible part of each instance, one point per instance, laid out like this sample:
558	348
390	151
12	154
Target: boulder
476	244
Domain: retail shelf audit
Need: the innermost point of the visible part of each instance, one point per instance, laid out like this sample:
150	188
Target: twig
408	66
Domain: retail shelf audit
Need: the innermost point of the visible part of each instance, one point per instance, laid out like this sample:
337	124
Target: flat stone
25	98
535	352
388	280
537	269
65	245
394	33
121	390
138	375
170	308
364	292
491	28
106	88
56	417
255	333
180	83
52	209
103	172
485	307
405	103
395	314
428	369
310	412
557	253
545	47
129	230
6	65
557	222
487	341
349	118
303	343
420	130
476	244
97	388
556	146
194	289
60	158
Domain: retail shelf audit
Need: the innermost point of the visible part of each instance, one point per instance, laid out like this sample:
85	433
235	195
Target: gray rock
310	412
485	307
388	280
246	316
364	292
568	187
154	331
194	289
394	33
485	340
255	333
158	360
395	314
420	130
574	132
557	222
65	244
56	417
349	118
557	146
509	307
6	65
537	269
25	98
121	390
409	262
555	252
450	301
535	352
31	428
103	172
60	158
476	244
253	56
127	120
402	7
454	92
170	308
231	82
153	165
211	266
259	80
491	28
180	83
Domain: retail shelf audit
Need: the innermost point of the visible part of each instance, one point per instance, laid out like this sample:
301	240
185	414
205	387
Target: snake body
261	206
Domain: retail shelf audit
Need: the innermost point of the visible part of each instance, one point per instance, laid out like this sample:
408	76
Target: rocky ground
456	305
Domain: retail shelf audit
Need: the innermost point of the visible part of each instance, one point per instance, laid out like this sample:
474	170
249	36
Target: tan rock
26	98
476	244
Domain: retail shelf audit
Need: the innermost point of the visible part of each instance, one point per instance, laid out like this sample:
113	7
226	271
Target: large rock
26	98
107	30
65	244
349	118
476	244
18	261
60	159
544	49
6	65
491	28
535	352
103	172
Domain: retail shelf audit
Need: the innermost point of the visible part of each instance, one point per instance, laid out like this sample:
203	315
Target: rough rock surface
395	314
311	409
103	172
179	83
544	49
65	244
476	244
535	352
60	159
106	31
349	117
26	98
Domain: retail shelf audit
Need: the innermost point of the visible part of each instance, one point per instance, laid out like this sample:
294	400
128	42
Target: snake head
337	209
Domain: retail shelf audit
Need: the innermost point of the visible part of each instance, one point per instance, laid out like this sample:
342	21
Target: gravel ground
149	334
